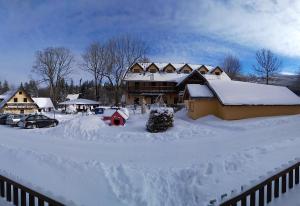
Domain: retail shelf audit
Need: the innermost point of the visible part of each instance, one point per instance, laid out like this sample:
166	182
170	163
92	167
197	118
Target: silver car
13	119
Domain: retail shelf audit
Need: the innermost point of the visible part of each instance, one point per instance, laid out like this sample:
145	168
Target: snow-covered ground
90	163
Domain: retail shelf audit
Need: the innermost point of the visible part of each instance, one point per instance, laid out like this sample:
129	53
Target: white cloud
255	24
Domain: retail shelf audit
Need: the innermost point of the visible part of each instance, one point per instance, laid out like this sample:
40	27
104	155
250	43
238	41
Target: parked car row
28	121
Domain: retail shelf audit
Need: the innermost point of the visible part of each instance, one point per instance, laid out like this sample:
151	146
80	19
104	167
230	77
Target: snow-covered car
37	121
13	119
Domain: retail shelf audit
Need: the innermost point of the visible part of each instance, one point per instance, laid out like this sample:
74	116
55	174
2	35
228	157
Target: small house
115	117
80	105
45	104
17	102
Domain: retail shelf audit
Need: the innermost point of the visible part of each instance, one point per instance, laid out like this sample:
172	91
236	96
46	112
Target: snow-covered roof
6	97
72	96
80	102
245	93
170	77
198	90
177	66
109	112
43	102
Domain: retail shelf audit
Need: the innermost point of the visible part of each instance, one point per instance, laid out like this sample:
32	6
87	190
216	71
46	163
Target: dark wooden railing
18	194
151	89
268	189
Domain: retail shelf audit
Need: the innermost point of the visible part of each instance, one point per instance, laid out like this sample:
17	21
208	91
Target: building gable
169	68
194	78
217	71
20	96
152	68
136	68
203	69
185	69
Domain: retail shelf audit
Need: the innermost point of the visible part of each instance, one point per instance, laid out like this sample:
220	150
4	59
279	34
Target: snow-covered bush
71	109
160	119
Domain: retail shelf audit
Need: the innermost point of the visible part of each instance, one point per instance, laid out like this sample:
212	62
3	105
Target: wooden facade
148	91
212	106
18	102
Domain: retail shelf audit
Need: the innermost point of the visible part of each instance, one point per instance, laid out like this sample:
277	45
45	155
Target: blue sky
194	31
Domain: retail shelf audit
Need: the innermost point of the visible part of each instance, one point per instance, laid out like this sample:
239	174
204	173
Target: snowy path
93	164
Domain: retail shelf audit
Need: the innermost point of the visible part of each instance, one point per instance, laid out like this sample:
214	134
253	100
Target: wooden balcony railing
268	189
151	89
21	195
21	105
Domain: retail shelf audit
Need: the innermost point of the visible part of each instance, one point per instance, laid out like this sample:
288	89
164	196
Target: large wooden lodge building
206	90
147	81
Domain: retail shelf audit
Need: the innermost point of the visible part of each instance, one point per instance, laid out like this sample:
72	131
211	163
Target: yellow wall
202	107
20	98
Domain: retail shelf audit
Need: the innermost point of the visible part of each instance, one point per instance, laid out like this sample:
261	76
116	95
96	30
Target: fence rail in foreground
268	189
21	195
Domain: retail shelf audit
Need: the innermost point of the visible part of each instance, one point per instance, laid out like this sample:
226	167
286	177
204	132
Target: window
20	92
22	111
169	71
136	70
202	72
186	71
152	70
15	99
217	73
25	99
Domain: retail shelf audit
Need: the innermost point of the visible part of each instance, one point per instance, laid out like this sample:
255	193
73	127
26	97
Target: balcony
151	89
20	105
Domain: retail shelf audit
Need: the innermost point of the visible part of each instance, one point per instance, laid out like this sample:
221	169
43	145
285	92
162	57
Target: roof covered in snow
43	102
80	102
162	76
123	112
198	91
245	93
7	96
72	96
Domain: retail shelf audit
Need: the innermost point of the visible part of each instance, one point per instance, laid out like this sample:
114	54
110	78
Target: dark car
37	121
3	118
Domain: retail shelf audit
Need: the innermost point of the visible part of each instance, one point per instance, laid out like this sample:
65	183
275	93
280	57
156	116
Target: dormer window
186	71
152	70
217	73
169	70
136	70
202	72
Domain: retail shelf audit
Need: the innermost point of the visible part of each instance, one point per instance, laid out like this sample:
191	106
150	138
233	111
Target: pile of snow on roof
245	93
198	90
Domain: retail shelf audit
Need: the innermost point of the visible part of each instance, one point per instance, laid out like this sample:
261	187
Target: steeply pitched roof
245	93
7	96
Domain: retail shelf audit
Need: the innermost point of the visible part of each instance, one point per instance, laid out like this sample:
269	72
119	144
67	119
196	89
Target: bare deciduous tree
267	64
122	53
95	61
53	65
232	66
